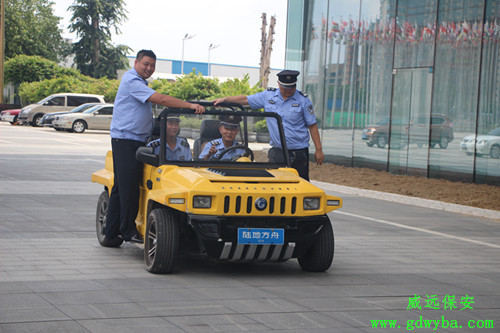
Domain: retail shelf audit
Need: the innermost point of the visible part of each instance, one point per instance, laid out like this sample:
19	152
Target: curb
404	199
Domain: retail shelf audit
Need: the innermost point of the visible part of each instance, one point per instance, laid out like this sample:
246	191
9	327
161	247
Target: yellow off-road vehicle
235	206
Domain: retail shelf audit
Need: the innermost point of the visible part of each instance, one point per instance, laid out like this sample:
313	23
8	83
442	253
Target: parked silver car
48	118
486	144
96	118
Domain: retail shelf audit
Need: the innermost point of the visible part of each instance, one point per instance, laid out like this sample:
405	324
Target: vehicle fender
105	176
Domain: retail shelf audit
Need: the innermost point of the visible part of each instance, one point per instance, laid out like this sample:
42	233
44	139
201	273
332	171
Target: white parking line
419	229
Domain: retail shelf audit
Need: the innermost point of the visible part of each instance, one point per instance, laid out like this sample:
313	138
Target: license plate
261	236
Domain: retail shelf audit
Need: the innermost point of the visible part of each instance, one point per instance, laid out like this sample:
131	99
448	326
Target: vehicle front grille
247	205
254	252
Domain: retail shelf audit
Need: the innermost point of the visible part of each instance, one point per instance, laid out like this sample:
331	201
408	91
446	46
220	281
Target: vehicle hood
481	138
13	111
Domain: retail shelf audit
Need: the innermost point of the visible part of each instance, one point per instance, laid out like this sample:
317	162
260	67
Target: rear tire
161	241
319	257
100	221
14	122
443	142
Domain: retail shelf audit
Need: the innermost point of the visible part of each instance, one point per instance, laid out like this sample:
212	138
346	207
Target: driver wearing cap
228	128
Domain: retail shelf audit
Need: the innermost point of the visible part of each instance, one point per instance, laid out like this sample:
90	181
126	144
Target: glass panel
456	85
415	33
487	145
373	103
401	113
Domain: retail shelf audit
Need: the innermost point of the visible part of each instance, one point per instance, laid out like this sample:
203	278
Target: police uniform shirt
296	111
219	145
132	113
181	152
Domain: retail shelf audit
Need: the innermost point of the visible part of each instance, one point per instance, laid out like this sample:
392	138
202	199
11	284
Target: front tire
79	126
495	151
381	141
14	122
319	257
37	121
161	243
100	221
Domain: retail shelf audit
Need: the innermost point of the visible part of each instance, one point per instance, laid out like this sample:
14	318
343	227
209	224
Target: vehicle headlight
311	203
23	111
201	201
482	142
176	201
333	202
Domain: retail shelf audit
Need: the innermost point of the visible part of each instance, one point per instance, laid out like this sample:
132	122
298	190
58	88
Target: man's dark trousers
124	198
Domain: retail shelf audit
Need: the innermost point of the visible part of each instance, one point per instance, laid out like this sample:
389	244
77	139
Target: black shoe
113	242
136	239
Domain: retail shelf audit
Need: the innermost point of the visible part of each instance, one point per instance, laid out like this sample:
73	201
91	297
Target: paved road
390	259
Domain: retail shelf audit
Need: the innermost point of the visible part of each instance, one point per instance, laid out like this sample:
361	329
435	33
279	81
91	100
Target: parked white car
488	144
96	118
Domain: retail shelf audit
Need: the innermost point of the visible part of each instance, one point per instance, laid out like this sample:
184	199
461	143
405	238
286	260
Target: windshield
495	132
83	107
219	137
91	109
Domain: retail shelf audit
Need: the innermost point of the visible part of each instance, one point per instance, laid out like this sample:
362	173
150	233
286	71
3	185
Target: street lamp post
210	48
186	37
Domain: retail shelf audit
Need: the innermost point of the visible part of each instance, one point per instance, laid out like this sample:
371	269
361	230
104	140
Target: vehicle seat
209	130
155	134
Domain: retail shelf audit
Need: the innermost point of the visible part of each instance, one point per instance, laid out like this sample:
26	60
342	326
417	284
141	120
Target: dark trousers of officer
299	159
124	198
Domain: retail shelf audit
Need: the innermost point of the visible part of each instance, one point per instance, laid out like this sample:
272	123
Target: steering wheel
248	152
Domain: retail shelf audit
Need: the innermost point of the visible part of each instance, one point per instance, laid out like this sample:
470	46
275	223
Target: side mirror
146	155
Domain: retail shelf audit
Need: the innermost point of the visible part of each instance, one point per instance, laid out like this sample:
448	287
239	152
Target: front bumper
219	236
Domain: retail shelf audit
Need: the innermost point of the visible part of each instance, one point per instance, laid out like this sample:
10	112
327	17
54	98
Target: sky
233	25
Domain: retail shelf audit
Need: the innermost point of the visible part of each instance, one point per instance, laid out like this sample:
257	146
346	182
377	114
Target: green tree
93	21
32	29
23	68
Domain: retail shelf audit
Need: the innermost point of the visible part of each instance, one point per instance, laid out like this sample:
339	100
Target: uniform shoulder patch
271	89
184	142
303	94
155	143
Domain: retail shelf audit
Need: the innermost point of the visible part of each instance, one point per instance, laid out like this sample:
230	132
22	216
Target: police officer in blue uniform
177	148
299	121
228	127
131	126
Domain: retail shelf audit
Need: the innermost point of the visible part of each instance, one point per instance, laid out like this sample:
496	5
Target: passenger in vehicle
229	128
177	148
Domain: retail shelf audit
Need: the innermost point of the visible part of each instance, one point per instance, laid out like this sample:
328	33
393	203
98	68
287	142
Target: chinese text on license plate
261	236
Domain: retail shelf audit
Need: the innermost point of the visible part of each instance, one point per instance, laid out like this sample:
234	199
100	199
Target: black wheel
319	257
79	126
495	151
381	141
100	221
161	242
369	144
37	121
248	152
443	142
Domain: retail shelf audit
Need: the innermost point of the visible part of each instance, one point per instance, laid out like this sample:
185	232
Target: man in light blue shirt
297	113
131	125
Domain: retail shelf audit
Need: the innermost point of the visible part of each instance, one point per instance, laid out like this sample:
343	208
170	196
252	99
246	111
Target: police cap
173	117
288	78
230	121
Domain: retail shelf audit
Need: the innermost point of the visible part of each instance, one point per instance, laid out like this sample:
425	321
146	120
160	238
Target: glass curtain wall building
410	87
